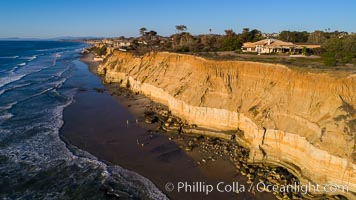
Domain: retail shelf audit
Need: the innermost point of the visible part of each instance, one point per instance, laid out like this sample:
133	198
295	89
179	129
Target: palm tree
143	30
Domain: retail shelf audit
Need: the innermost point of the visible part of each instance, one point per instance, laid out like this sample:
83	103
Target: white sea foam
132	178
41	50
9	79
13	70
59	83
14	87
8	106
5	116
52	49
9	57
20	85
57	55
22	64
29	58
39	93
32	58
60	73
12	76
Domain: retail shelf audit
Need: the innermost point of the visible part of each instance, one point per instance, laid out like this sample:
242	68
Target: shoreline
161	158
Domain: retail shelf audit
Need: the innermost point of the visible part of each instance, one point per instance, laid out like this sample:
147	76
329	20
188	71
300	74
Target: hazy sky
52	18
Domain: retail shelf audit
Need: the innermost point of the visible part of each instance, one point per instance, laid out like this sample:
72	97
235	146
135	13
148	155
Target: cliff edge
305	122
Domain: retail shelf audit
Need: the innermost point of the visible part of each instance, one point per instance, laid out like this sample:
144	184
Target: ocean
38	80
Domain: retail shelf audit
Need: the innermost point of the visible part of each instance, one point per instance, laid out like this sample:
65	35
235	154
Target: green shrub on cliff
99	50
339	50
231	44
329	59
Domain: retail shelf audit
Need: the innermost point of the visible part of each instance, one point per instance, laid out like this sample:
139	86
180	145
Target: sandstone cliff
305	122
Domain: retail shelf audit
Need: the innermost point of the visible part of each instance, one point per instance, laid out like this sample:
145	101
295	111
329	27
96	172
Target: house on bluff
277	46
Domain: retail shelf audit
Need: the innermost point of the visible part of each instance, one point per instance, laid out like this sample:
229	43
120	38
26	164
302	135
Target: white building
275	46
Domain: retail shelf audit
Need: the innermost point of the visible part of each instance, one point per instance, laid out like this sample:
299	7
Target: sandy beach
109	123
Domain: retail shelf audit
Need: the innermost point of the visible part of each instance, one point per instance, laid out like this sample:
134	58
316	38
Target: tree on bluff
317	37
294	36
142	31
230	41
181	28
250	36
339	50
100	51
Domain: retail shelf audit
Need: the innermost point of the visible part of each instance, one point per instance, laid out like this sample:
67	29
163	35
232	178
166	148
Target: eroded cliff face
305	122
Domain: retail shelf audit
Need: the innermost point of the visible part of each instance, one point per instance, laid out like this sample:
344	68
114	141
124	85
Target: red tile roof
273	43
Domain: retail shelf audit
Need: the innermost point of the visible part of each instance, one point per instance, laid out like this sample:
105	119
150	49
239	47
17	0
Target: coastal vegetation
339	50
334	48
100	51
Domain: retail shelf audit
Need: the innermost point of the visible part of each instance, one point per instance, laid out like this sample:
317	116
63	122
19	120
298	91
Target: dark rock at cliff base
100	90
151	119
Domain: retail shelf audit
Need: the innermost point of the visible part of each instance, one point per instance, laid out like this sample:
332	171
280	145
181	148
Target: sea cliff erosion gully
302	121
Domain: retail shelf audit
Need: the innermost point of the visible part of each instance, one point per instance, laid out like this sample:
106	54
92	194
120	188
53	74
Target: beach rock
169	120
191	143
150	119
188	148
99	90
243	171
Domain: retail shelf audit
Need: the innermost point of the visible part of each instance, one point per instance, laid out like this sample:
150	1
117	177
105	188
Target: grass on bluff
310	63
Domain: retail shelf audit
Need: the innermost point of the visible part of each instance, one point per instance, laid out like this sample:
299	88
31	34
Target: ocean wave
9	57
10	79
59	83
60	73
56	56
22	64
32	58
38	94
5	117
136	181
13	77
52	49
41	50
13	70
27	98
29	58
8	106
14	87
